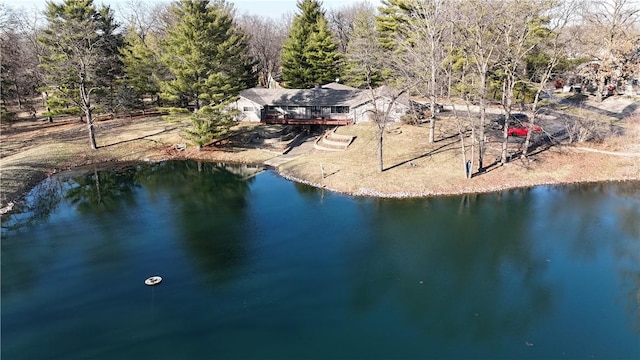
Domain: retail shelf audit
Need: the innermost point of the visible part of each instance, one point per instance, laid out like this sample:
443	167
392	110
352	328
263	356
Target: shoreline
507	187
19	199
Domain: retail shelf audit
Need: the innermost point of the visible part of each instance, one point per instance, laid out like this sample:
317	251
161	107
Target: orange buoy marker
154	280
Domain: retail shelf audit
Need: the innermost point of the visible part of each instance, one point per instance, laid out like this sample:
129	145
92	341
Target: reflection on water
209	203
483	254
258	267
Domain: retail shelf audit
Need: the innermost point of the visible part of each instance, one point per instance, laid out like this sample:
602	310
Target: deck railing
307	119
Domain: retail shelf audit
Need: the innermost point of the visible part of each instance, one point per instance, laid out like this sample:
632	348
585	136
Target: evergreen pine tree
207	55
206	124
110	69
82	57
309	55
394	15
141	66
364	58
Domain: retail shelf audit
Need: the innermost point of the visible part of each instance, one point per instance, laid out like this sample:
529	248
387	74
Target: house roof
390	93
302	97
332	94
338	86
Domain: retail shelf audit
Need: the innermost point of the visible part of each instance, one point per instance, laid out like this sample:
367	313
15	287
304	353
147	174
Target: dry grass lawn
413	167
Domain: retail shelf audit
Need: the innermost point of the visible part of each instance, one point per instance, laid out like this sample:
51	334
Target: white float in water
154	280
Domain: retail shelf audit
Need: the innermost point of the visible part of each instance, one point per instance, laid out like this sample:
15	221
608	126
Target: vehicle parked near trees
518	125
515	119
522	129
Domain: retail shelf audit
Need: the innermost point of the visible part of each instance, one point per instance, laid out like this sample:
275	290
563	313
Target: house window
339	109
248	108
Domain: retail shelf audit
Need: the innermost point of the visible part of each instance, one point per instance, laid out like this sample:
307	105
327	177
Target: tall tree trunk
473	149
380	137
469	172
509	84
601	87
483	105
92	135
463	150
45	98
18	95
527	140
432	90
524	88
432	125
86	106
466	169
505	142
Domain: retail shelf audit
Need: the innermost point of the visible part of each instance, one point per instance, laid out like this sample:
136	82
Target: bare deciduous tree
457	68
610	36
266	36
146	18
342	20
383	100
561	14
366	60
20	50
478	30
422	52
523	29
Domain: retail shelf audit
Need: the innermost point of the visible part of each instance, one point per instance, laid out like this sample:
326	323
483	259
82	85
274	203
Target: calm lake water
258	267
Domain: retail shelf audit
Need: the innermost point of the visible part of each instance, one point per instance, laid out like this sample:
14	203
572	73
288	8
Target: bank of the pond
414	172
412	167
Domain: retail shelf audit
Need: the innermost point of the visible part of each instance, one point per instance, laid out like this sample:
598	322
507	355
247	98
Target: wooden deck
331	122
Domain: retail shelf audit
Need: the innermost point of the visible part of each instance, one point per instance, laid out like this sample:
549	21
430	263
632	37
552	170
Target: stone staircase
331	141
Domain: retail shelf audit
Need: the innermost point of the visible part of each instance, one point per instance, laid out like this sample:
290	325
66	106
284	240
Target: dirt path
614	153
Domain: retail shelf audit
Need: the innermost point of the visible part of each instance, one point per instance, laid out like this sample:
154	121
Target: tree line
197	55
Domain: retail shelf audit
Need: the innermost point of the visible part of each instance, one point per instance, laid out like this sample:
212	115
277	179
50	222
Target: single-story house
330	104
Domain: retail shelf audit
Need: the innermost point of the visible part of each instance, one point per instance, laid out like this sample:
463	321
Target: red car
523	129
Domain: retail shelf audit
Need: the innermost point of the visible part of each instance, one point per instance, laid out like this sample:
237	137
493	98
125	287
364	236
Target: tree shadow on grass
252	139
534	149
10	127
630	109
145	137
447	138
580	101
438	150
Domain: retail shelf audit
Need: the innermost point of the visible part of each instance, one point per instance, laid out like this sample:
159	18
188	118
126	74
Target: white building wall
361	114
249	111
365	112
